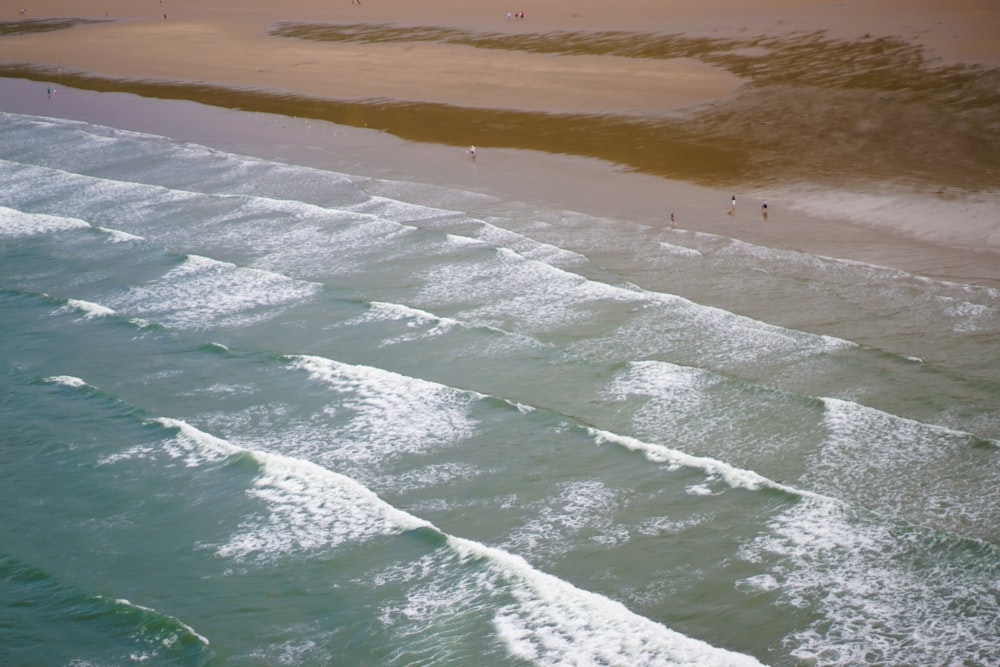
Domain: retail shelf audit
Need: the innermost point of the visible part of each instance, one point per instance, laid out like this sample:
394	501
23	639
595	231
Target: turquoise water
257	413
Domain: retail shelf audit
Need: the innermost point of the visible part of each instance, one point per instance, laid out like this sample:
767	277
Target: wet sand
634	110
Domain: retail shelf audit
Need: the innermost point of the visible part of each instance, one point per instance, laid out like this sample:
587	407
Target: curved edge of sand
553	181
226	43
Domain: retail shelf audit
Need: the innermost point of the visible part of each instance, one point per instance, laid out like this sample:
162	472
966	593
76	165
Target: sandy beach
636	110
291	378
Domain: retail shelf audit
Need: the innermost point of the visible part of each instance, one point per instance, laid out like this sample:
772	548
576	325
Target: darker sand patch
33	26
832	112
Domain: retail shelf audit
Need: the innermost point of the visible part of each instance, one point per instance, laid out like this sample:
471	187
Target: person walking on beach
763	209
732	208
472	152
673	223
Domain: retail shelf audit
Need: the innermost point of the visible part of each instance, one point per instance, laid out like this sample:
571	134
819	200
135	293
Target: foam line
90	310
873	592
552	622
737	478
185	626
15	223
66	381
385	414
550	619
202	291
310	507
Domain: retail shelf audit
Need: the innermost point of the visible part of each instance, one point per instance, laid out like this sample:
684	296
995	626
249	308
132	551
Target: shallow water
259	413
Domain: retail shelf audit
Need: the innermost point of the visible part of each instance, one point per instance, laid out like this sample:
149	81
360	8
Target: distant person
673	223
732	208
472	152
763	209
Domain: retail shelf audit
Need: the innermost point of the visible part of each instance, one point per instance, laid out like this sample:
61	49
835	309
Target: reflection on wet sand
813	109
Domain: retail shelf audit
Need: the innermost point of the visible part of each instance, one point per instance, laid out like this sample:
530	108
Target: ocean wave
313	508
90	310
201	292
878	593
14	223
103	630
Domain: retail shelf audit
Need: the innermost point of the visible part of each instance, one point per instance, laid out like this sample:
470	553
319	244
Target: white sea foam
311	508
679	250
705	413
15	223
395	209
757	584
187	628
352	238
203	292
434	475
639	322
136	452
663	525
118	236
537	617
459	225
67	380
90	310
310	647
505	287
874	593
867	457
549	621
737	478
922	472
552	622
193	446
391	414
678	390
430	324
380	310
970	317
743	339
583	505
308	507
529	248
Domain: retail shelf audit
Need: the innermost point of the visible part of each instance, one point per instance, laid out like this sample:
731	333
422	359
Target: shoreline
561	182
755	100
872	134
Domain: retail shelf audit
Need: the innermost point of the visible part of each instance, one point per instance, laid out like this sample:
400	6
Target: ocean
260	413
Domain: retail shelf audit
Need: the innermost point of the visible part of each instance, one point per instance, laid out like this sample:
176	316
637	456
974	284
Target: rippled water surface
257	413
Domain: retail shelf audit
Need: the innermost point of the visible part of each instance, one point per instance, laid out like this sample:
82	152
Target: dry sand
227	42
